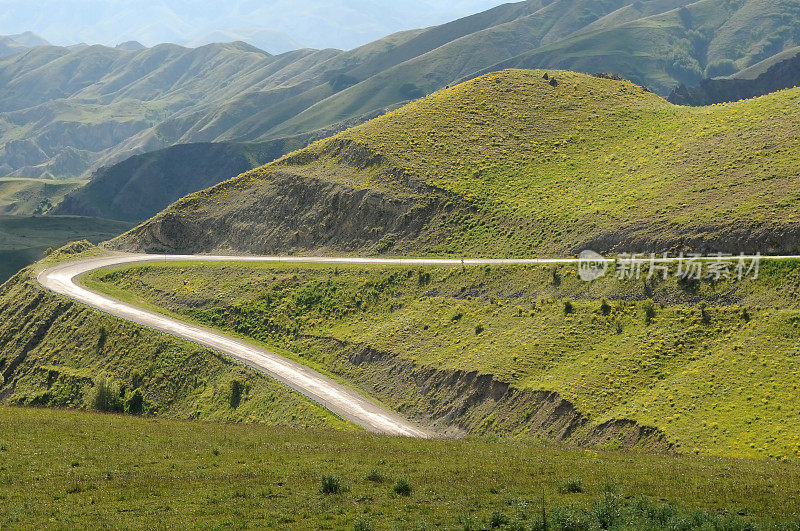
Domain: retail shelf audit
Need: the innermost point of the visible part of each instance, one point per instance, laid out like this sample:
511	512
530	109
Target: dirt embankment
458	402
290	212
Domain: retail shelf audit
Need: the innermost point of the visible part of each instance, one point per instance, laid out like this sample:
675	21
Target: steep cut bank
515	163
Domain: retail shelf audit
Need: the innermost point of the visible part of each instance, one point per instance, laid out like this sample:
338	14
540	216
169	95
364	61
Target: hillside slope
514	164
54	352
664	48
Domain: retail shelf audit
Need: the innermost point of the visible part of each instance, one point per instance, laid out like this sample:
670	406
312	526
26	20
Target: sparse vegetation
571	486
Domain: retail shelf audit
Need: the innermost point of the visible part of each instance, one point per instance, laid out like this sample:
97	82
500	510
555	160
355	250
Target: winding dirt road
332	395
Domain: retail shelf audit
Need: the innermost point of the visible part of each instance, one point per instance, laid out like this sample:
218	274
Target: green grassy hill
511	165
26	197
676	46
116	471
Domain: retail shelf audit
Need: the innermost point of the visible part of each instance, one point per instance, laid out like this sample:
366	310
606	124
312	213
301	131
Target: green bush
571	486
236	392
375	476
568	308
331	484
605	307
134	404
479	330
648	310
363	524
105	397
498	519
402	487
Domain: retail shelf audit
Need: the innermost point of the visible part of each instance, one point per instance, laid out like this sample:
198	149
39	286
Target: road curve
332	395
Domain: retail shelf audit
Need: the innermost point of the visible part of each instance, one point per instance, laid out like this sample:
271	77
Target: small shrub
648	310
745	315
363	524
479	330
376	476
556	276
457	316
568	308
704	316
571	486
605	307
134	405
331	484
105	397
498	519
618	327
236	392
402	487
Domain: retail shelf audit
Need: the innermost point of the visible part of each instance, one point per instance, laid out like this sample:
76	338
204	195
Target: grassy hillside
129	472
94	106
56	353
24	239
513	164
27	197
710	365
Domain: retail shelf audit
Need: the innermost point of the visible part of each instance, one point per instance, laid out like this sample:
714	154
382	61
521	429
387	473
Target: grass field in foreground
712	364
73	469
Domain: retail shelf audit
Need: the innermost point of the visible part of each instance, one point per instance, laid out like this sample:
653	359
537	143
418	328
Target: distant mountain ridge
14	44
66	112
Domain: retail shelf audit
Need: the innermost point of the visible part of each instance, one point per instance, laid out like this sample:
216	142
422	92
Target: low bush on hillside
330	484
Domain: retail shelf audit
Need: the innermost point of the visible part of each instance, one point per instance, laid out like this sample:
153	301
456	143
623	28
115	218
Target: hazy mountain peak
131	46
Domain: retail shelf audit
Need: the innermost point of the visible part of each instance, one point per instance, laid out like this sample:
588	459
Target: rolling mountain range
276	26
66	112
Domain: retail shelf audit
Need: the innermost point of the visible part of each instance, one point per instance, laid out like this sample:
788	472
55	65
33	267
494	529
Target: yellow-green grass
715	369
541	170
68	469
26	197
